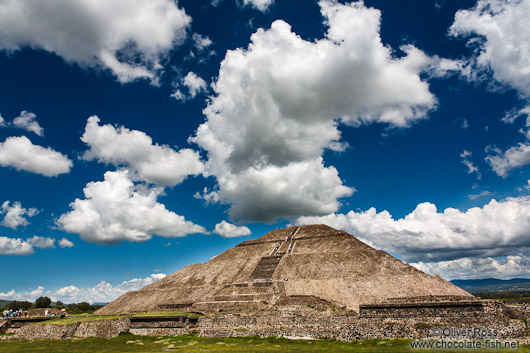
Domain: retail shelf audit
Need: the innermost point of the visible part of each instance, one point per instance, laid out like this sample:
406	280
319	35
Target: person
46	312
63	313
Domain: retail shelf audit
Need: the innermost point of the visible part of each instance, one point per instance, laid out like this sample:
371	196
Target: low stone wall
358	330
296	323
471	310
475	311
38	331
103	328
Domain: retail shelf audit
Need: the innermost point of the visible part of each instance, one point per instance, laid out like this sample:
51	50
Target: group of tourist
8	314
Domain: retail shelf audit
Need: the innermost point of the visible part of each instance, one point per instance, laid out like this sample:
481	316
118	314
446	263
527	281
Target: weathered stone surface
298	322
315	260
37	331
102	328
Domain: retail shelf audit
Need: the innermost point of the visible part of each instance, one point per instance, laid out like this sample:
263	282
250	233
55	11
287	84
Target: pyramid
285	266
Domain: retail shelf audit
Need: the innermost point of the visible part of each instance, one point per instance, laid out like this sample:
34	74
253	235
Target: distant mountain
4	302
493	285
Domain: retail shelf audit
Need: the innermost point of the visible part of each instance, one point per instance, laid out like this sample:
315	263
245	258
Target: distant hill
4	302
493	285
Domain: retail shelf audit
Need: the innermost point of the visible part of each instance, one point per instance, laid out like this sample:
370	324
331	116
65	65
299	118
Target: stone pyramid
285	266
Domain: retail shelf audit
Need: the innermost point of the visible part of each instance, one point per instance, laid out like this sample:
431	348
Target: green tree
59	304
15	305
43	302
84	306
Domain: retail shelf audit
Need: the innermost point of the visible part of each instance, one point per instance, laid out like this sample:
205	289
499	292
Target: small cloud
27	121
17	246
167	244
465	124
482	194
2	121
178	95
65	243
262	5
228	230
156	270
15	215
512	115
471	168
201	42
194	85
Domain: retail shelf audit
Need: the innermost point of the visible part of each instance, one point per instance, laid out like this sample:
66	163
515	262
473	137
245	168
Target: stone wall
301	322
467	309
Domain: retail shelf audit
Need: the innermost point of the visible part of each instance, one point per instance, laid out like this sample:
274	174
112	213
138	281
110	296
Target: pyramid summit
300	263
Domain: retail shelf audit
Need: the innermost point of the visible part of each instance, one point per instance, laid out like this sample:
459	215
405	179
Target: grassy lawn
191	343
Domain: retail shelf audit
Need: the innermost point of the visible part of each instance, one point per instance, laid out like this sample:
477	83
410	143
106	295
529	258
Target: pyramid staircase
257	293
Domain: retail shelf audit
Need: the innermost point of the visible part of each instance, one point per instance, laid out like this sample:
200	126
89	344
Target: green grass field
191	343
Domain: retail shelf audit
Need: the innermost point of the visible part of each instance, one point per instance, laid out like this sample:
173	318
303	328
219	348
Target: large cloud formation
116	209
502	27
278	104
499	228
21	154
130	39
158	164
472	268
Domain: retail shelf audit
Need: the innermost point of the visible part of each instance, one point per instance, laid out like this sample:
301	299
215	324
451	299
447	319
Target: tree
59	304
84	306
15	305
43	302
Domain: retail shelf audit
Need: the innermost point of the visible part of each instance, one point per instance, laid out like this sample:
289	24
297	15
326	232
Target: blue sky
138	139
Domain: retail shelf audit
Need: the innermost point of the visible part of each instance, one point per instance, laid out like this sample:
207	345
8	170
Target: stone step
4	325
230	305
242	297
244	290
266	267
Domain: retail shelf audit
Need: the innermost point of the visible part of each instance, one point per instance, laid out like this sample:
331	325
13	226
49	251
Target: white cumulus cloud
130	39
499	228
500	28
514	157
103	292
201	42
65	243
28	121
116	209
21	154
15	214
194	83
278	103
470	268
133	149
228	230
18	246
